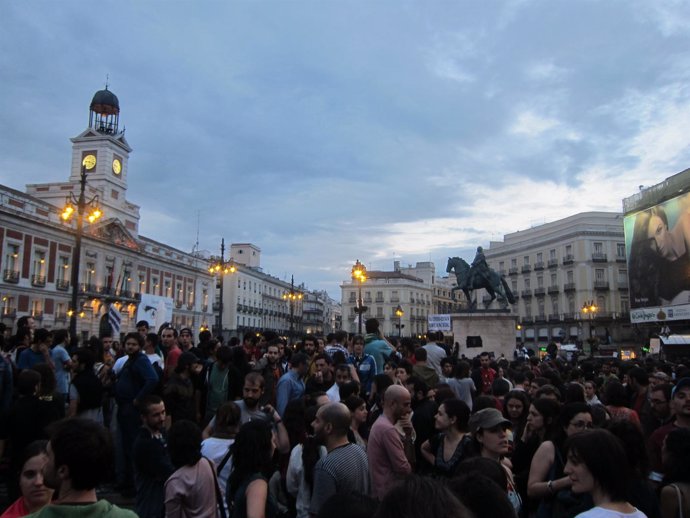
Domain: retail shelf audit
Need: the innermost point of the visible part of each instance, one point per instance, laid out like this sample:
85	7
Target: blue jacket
136	380
366	370
290	386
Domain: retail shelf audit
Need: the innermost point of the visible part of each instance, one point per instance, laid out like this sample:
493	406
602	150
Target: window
568	249
142	283
39	267
525	260
527	283
539	257
598	248
552	253
514	285
623	276
513	262
554	279
528	309
554	305
62	271
571	304
625	305
89	273
37	308
541	306
620	249
599	275
501	265
570	276
540	282
379	311
12	258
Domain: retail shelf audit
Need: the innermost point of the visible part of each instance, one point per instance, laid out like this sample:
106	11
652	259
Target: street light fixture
359	275
399	313
292	296
80	206
219	268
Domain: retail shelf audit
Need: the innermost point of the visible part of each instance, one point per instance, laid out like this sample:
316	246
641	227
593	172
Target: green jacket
101	509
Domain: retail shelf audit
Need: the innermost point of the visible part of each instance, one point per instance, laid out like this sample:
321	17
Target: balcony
502	272
178	304
60	317
623	285
539	265
598	257
601	285
553	263
9	313
540	318
526	268
569	259
204	308
190	306
379	300
554	317
37	315
540	292
569	286
38	280
10	276
570	316
553	290
513	270
62	285
526	293
393	299
620	259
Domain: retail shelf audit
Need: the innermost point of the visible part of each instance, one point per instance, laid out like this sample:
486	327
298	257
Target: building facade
415	289
559	271
117	265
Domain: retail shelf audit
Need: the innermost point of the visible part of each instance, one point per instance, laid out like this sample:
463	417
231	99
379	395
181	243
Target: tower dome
104	112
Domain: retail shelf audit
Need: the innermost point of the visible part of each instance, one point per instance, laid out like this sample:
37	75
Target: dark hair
357	338
666	388
255	378
27	382
371	325
59	336
484	401
32	449
567	413
418	384
603	455
458	409
549	410
574	393
353	402
153	338
86	357
639	375
251	452
421	497
135	336
228	418
486	467
224	354
420	354
404	364
521	396
462	370
548	390
677	463
85	447
615	394
48	382
142	323
41	335
481	494
184	443
148	401
500	387
633	442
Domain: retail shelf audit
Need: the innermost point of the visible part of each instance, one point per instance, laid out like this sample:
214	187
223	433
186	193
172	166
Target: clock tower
104	146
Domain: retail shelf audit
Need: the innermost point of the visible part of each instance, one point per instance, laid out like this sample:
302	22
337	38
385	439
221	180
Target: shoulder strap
225	459
219	493
679	495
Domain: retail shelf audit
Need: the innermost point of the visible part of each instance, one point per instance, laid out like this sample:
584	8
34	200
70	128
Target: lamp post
292	296
590	308
220	268
359	275
79	205
399	313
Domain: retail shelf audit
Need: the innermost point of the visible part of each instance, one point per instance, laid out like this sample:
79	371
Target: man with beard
79	454
344	470
171	350
270	368
250	409
680	407
180	392
152	465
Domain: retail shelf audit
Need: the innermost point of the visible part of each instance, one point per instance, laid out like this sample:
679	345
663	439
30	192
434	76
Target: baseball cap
682	383
487	418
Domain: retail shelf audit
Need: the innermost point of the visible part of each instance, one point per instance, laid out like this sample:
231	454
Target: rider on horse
479	269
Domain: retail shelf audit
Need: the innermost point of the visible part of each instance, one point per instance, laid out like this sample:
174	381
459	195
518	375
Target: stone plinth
496	328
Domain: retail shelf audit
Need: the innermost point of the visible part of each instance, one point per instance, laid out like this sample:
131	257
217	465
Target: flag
114	319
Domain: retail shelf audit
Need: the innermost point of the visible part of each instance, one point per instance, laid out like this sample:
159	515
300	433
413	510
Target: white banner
439	322
660	313
156	310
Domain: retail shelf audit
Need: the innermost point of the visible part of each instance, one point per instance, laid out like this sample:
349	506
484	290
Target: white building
117	264
557	268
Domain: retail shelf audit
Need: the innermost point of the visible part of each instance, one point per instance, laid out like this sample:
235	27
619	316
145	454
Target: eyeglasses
581	425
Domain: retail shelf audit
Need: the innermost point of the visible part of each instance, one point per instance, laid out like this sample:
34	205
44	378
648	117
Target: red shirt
488	376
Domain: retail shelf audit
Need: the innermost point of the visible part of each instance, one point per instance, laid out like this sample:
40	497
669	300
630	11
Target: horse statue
494	283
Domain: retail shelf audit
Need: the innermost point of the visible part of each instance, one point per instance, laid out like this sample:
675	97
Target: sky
330	131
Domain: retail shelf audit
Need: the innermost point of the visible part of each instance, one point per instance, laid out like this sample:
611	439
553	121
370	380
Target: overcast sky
329	131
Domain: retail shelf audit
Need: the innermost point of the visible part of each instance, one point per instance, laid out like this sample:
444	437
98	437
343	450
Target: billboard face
155	310
657	243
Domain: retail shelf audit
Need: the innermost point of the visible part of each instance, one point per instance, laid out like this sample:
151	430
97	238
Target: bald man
344	470
390	455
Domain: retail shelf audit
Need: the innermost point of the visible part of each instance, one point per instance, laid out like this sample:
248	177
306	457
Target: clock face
89	162
117	166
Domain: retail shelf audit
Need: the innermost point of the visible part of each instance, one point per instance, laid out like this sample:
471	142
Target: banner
114	319
156	310
660	314
439	323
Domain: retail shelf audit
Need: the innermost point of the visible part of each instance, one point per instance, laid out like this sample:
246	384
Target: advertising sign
657	244
156	310
439	322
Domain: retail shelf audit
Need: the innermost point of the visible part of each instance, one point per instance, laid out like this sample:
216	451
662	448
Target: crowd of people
335	426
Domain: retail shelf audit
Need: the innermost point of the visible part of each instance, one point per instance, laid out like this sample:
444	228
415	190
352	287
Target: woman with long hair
597	465
547	481
358	410
218	447
516	410
34	493
248	494
192	490
675	493
453	444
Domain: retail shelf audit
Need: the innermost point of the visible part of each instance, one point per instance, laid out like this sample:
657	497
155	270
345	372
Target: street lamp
80	206
220	268
399	313
292	296
359	275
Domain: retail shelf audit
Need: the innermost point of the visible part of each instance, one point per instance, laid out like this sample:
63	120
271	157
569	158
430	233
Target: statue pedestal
495	327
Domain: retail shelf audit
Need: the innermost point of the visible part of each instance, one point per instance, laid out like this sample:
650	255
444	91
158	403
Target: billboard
657	244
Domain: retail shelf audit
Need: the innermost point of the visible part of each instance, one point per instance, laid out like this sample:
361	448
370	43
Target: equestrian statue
479	275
